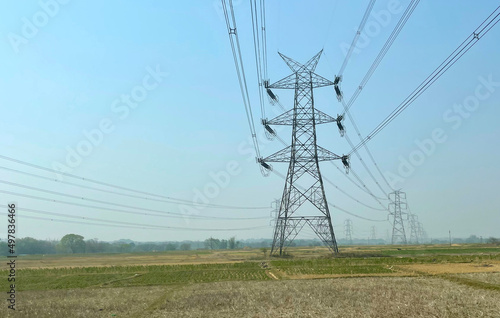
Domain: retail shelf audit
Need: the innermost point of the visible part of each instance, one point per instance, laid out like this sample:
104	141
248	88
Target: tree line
74	243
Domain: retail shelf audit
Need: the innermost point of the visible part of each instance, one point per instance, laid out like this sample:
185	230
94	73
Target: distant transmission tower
421	233
348	231
275	205
396	207
303	181
414	233
373	233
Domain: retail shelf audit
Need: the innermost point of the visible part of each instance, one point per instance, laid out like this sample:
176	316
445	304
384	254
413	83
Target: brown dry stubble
355	297
387	297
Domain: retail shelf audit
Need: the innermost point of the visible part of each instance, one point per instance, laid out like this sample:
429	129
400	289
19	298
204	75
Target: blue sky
71	75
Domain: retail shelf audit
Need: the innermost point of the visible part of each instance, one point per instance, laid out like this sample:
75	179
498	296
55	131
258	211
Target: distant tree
223	244
74	243
93	246
146	247
473	239
231	243
4	250
212	243
29	245
125	248
264	250
185	246
170	247
493	240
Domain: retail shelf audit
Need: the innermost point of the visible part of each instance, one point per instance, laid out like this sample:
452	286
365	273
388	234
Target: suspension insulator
271	95
345	162
340	126
265	168
270	133
338	92
337	80
264	164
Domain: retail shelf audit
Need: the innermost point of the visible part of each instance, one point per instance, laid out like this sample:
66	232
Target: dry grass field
376	281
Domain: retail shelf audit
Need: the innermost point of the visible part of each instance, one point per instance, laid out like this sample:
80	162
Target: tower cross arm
285	155
326	155
287	119
288	82
291	81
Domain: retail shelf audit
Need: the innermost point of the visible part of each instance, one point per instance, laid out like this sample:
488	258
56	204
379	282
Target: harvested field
349	297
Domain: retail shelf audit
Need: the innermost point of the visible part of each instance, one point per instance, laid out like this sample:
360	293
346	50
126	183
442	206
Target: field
364	281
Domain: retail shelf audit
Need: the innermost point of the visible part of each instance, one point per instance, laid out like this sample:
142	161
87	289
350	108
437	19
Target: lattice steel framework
348	231
414	229
303	181
397	208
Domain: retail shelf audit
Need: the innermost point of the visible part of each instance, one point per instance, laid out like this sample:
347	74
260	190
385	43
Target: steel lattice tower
414	233
373	233
396	211
348	231
303	181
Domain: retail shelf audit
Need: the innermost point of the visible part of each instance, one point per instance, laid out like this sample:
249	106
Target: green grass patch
122	276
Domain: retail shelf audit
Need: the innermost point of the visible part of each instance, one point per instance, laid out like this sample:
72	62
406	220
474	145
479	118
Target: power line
360	186
463	48
406	15
369	191
338	188
123	224
136	209
258	54
356	37
350	196
397	29
108	184
131	195
240	71
365	166
333	205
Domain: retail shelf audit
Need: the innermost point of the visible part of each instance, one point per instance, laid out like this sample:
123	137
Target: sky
144	95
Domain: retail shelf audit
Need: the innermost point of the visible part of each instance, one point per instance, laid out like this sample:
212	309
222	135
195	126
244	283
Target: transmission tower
303	181
396	207
373	233
275	204
421	233
348	231
414	233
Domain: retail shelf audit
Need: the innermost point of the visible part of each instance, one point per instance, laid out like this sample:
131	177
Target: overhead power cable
360	186
350	196
401	23
356	37
128	224
136	208
134	227
131	195
397	29
240	70
335	206
258	52
365	189
106	184
463	48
